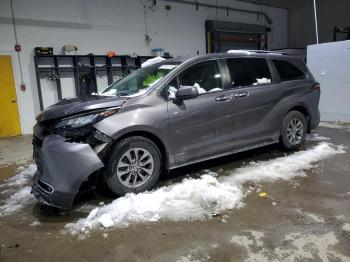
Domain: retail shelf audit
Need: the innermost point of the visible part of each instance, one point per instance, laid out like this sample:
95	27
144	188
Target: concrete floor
309	220
14	152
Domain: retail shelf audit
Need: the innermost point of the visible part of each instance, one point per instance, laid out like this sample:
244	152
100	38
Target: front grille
37	143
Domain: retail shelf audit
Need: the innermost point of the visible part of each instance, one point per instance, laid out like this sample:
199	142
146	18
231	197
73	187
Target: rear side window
287	71
248	71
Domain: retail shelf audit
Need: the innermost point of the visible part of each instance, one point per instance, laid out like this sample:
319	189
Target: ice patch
296	247
314	217
195	255
198	199
35	223
255	239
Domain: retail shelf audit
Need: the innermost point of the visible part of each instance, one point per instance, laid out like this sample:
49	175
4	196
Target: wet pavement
303	219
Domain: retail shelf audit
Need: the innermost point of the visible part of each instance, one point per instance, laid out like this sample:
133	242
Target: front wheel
293	130
134	165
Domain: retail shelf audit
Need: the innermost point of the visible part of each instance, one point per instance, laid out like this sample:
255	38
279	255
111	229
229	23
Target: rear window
287	71
248	71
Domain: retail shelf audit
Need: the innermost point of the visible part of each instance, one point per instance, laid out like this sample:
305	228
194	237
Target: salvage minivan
169	114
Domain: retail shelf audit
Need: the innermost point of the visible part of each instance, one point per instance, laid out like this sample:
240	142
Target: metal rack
54	66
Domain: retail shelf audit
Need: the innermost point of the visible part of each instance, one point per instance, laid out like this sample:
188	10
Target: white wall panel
99	26
330	65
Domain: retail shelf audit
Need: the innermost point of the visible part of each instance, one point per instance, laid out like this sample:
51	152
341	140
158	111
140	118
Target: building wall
99	26
330	65
301	21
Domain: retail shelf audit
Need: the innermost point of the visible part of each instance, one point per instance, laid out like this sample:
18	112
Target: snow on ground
296	247
23	176
199	199
16	201
346	227
316	137
196	255
18	191
337	125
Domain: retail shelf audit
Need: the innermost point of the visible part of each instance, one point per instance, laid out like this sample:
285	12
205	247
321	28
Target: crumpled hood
71	106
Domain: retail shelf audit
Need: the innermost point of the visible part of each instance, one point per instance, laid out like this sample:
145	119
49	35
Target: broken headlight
80	125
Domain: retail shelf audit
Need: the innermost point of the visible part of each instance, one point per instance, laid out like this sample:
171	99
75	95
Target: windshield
139	81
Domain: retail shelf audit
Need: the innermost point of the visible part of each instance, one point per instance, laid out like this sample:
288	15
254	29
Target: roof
232	53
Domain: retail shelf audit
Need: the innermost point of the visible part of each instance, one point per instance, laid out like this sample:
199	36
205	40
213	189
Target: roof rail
256	52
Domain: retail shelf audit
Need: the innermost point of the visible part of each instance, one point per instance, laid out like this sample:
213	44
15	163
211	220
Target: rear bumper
315	120
62	168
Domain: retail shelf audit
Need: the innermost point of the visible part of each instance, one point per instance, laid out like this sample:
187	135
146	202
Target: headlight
86	119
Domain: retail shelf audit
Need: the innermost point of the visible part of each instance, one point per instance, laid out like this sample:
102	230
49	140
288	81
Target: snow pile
152	61
198	199
16	201
192	199
283	168
19	191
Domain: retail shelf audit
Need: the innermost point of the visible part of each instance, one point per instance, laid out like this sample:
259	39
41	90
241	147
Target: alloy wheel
135	167
295	131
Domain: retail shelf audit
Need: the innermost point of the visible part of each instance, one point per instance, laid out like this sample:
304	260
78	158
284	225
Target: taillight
316	87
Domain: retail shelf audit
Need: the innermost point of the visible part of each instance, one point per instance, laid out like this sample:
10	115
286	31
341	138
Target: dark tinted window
204	75
287	71
248	71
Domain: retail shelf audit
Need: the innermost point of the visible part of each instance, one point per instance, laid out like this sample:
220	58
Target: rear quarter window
288	71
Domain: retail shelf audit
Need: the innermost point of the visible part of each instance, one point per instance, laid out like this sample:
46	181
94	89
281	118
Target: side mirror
186	92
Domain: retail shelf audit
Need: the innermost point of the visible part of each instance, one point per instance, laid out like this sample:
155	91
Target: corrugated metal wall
301	21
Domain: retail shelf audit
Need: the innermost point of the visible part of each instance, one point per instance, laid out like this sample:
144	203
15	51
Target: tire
134	165
293	126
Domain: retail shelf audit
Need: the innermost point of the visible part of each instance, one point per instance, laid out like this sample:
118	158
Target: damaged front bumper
62	167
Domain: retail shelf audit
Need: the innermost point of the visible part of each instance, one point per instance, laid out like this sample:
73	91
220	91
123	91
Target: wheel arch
151	136
302	109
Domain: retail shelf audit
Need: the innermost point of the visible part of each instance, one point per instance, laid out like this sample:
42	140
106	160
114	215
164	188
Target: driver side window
205	76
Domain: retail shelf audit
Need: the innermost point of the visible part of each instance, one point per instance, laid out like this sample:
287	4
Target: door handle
222	98
241	94
13	100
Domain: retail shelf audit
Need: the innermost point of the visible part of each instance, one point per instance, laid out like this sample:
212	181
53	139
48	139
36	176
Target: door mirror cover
186	92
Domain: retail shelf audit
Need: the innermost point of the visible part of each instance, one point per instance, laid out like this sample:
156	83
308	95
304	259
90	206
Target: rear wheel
293	131
134	165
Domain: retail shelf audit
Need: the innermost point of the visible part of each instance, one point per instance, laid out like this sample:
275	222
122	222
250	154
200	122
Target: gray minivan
169	114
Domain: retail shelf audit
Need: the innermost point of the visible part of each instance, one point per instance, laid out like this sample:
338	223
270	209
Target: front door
199	126
9	117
